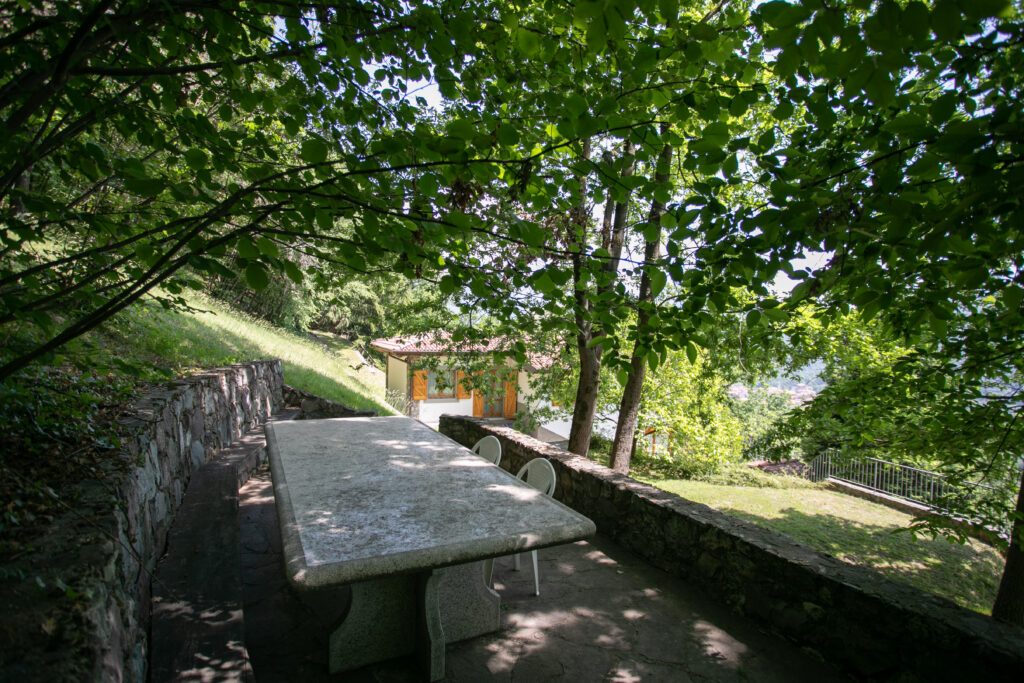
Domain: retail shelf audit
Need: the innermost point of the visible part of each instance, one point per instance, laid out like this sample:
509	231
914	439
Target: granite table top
363	498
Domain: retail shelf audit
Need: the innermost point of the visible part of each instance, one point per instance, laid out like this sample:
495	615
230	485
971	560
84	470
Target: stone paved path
602	615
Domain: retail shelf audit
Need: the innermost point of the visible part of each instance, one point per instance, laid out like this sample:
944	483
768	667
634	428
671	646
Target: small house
421	372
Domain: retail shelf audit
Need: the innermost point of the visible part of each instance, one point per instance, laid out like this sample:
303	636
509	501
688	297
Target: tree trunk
629	408
586	392
609	211
590	358
618	232
1009	605
24	183
589	382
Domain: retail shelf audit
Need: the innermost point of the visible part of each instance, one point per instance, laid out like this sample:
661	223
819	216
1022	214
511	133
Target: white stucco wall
432	409
398	375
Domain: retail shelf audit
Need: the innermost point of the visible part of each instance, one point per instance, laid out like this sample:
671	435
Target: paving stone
603	614
633	671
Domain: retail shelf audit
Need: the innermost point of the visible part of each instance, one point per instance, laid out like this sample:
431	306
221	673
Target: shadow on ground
602	614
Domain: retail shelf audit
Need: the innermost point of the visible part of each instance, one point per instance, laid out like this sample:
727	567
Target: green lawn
859	532
216	335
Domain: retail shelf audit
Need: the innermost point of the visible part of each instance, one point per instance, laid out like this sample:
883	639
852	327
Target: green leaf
257	277
544	283
267	247
653	360
947	19
146	187
313	151
943	108
462	129
528	41
702	31
531	233
325	221
197	159
983	9
781	14
783	111
246	248
576	105
293	272
559	277
909	125
658	281
447	284
651	231
507	135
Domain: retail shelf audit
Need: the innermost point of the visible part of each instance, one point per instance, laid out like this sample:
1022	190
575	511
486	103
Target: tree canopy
149	145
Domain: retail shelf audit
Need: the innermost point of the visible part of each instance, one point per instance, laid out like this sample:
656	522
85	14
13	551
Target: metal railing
890	478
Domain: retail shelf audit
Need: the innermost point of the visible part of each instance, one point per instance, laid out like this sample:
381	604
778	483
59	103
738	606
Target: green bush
282	303
735	474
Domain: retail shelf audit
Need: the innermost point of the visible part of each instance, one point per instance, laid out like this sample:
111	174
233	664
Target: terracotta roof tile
434	343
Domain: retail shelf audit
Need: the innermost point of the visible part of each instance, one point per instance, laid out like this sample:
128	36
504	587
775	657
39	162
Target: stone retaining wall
105	548
872	627
313	407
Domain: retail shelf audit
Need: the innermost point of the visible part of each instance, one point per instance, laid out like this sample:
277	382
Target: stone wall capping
873	627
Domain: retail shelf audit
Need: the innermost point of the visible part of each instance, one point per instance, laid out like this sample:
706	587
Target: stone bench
198	630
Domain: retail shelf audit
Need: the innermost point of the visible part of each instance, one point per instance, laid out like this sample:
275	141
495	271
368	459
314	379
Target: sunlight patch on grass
859	532
216	335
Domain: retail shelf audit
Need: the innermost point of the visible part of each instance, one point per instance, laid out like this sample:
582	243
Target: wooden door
510	402
478	403
496	398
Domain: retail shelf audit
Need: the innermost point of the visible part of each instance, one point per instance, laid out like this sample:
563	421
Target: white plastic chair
540	474
490	448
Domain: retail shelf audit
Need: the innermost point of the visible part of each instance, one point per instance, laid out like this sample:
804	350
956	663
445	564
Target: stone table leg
429	632
398	615
469	607
380	624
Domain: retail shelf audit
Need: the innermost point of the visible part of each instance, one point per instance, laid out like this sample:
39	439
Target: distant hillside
801	388
809	375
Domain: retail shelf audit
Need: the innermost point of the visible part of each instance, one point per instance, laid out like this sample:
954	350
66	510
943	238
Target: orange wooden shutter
419	385
463	392
510	396
478	403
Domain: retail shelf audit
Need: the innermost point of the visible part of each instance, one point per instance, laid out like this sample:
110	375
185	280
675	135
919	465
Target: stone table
404	516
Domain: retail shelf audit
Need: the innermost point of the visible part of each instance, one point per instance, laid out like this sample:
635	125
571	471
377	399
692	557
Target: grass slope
859	532
214	334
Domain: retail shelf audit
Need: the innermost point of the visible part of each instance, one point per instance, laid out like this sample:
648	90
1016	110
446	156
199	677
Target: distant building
441	389
798	395
739	392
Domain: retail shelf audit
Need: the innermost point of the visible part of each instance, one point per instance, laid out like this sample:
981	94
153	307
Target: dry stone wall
313	407
106	547
875	628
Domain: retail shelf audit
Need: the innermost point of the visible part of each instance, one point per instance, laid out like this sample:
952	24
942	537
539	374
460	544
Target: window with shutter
440	384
